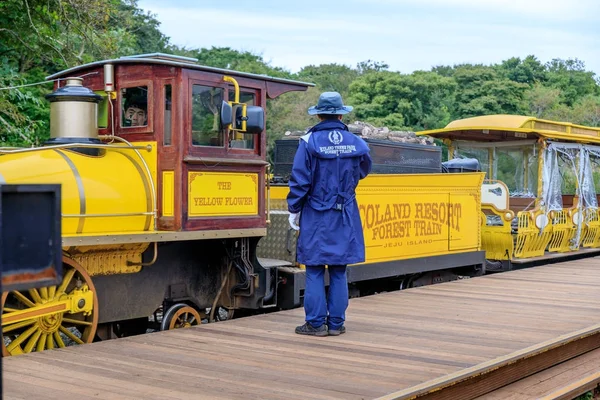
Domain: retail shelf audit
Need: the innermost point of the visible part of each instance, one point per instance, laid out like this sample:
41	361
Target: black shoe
307	329
337	332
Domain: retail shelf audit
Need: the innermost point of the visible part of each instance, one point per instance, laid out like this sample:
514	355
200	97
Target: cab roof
174	61
491	128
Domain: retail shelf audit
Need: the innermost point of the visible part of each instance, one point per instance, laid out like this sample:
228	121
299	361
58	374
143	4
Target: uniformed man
327	167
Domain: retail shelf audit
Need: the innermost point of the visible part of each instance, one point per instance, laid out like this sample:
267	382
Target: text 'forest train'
170	216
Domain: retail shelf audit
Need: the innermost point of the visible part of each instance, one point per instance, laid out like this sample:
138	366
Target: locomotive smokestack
73	113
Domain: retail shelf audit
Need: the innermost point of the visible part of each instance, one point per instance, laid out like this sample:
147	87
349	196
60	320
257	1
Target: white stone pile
368	131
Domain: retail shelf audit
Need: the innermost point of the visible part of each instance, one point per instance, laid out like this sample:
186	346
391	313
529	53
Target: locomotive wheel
180	316
47	317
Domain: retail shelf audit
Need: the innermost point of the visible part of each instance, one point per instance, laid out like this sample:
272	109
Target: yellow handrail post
540	188
236	102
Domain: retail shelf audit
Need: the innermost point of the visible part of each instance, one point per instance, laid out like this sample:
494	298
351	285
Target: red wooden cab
208	176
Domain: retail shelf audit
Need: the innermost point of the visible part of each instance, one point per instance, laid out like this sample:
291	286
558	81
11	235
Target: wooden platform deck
564	381
395	341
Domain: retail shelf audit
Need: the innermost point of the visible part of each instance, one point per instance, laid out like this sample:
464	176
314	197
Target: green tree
431	97
421	100
587	111
57	34
142	29
571	78
40	37
541	100
226	57
482	92
23	114
289	113
368	66
330	77
443	70
529	70
380	95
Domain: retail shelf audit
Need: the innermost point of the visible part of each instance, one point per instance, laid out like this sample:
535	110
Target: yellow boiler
110	192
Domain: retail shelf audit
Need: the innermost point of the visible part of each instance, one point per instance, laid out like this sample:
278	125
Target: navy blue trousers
327	309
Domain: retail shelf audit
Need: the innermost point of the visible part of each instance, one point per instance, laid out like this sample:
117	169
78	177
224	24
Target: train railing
563	231
496	237
533	234
590	233
496	229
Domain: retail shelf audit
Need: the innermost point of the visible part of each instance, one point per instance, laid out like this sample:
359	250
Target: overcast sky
406	34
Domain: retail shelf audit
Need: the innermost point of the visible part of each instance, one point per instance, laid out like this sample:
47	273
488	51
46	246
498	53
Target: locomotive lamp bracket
239	117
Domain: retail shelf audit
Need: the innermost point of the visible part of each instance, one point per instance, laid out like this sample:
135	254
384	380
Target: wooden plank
395	341
575	388
480	379
566	380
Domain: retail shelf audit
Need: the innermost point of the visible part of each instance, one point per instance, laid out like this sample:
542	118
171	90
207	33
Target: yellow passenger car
539	197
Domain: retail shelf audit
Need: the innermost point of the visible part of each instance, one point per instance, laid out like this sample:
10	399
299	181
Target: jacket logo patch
336	137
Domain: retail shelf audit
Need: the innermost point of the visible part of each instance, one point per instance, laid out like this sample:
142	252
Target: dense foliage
39	37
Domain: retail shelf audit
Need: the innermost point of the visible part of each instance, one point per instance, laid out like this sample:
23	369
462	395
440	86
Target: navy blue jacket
328	165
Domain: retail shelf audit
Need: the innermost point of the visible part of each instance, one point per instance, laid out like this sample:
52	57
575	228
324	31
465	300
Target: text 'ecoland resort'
392	221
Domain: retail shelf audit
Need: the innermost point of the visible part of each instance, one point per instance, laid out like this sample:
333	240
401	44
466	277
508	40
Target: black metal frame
23	222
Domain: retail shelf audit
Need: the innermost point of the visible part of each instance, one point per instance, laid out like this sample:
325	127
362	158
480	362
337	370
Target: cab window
167	134
134	107
206	122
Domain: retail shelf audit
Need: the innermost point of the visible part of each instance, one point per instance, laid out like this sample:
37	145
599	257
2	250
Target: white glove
294	221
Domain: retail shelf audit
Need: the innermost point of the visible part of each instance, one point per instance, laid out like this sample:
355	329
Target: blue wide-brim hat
330	103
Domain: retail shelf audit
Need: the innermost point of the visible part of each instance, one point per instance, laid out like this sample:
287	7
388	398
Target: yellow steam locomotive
162	164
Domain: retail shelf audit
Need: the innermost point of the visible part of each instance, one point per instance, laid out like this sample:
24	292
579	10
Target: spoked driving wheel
50	317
